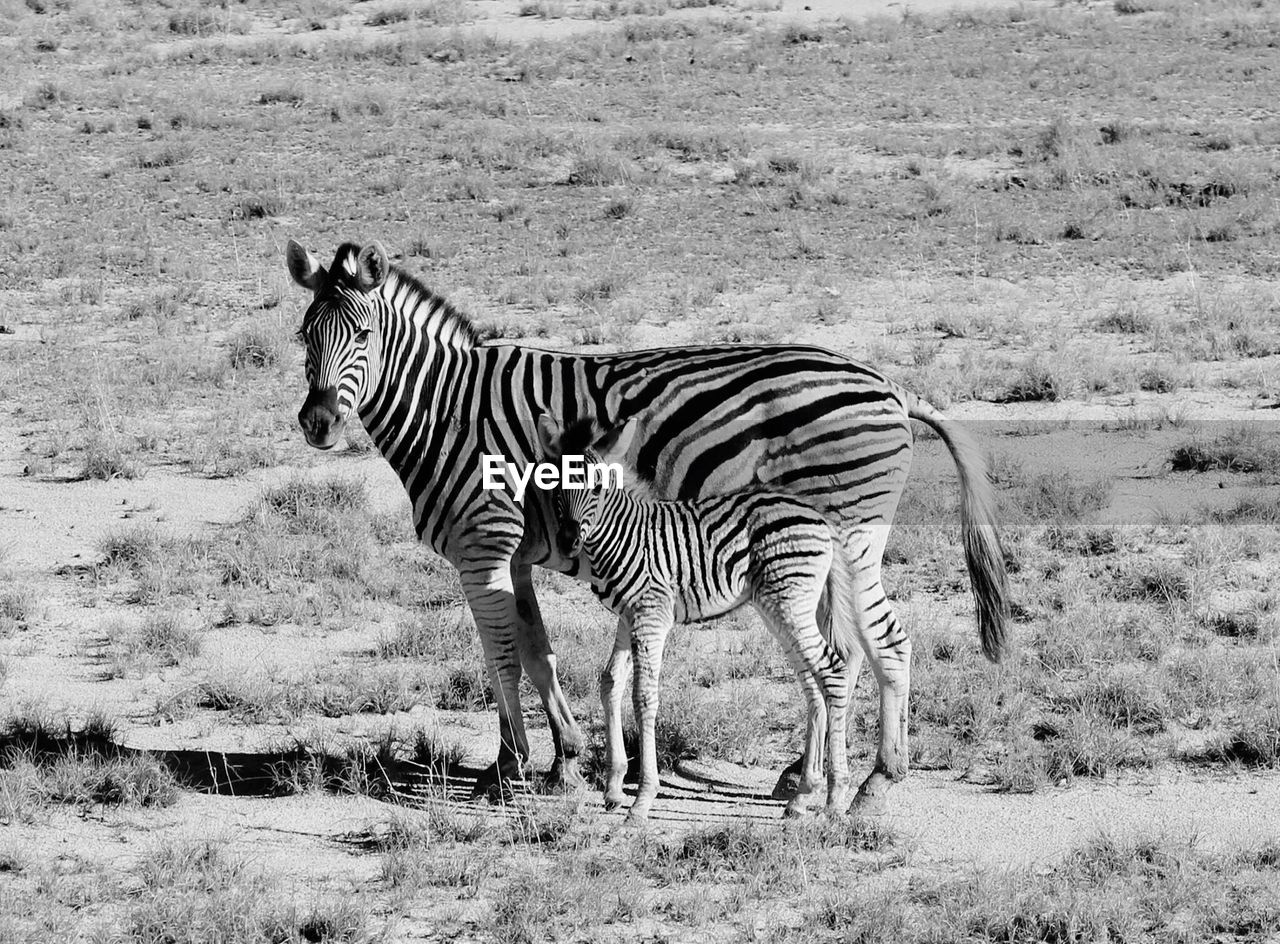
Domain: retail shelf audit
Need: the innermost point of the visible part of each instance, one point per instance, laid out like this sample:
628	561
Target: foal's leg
789	780
779	611
612	680
649	628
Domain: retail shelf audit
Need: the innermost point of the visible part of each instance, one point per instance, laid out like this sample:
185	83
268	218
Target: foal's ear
372	266
548	436
304	267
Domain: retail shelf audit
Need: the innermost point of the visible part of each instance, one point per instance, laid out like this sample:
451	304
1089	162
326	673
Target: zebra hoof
496	784
565	777
614	800
802	805
635	822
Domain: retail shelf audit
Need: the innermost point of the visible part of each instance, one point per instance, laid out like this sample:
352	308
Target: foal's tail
982	550
842	599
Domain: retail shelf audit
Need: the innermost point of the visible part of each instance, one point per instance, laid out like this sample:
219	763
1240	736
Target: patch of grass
728	723
1148	887
163	638
281	95
314	505
1085	541
465	688
1246	510
1049	496
196	892
1253	740
1158	580
258	206
329	692
765	856
439	634
1242	449
166	155
1034	380
44	763
257	346
597	167
107	457
436	753
19	608
46	94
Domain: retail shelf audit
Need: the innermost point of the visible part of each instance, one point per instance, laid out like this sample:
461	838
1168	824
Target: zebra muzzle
319	418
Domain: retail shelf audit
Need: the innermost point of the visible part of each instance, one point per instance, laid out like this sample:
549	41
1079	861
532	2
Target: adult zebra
707	420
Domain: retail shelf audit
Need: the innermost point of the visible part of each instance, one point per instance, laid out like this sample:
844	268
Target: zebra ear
548	436
372	266
304	267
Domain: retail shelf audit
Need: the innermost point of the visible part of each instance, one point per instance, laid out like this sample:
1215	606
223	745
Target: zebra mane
578	437
414	299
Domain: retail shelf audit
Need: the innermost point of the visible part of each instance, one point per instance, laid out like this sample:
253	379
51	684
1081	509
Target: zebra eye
362	335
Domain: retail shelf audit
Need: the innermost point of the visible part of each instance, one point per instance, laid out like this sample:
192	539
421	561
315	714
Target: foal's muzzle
569	539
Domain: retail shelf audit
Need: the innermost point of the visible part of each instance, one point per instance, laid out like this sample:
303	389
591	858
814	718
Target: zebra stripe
705	420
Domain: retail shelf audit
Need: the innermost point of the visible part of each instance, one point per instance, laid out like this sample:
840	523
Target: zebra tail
982	549
841	598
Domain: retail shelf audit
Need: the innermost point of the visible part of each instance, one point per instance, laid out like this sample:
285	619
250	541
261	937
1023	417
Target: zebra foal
658	563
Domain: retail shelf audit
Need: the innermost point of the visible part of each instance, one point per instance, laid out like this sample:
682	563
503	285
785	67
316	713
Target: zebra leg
888	651
649	634
789	780
612	680
540	663
835	688
802	643
498	640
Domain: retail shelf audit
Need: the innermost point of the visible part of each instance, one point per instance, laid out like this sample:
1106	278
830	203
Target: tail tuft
983	552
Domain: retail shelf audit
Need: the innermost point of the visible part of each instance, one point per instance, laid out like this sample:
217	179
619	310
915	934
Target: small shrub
46	94
466	688
437	753
1033	381
257	346
618	208
108	458
19	607
1053	496
164	638
166	156
1254	740
1159	581
1126	7
258	206
281	96
599	168
300	500
1243	449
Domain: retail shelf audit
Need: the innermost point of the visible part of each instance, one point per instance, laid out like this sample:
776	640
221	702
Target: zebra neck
423	344
619	518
